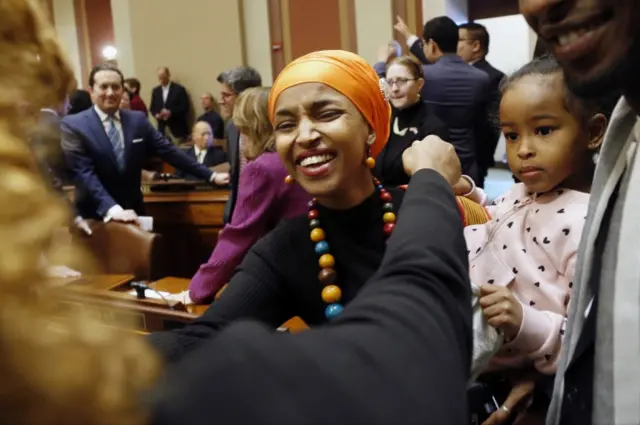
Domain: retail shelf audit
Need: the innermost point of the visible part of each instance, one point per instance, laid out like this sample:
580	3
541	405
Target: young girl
523	259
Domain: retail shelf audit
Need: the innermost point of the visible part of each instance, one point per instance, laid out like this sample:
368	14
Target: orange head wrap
348	74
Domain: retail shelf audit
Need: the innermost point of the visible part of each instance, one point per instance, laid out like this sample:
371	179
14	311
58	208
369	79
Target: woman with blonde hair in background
263	197
54	368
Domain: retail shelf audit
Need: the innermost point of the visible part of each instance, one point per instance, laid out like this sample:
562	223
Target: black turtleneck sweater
278	278
407	125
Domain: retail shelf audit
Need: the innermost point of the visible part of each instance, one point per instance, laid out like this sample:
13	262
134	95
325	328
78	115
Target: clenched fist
433	153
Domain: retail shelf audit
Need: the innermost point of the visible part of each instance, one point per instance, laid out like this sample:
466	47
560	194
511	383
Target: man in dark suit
458	93
211	116
204	152
473	48
106	147
170	106
232	83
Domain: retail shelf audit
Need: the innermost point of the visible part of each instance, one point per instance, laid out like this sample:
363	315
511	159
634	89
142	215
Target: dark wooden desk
189	223
105	282
108	296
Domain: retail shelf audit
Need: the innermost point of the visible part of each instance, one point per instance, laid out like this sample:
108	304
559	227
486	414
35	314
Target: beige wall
195	42
120	12
256	38
373	26
433	8
65	24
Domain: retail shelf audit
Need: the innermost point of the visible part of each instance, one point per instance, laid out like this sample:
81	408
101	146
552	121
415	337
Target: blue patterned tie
116	143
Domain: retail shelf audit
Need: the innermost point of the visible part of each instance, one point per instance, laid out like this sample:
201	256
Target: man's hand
435	154
402	27
125	216
502	310
386	53
516	403
221	179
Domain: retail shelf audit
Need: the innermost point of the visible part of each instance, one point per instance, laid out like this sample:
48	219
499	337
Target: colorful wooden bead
385	196
331	294
327	276
389	217
387	207
327	261
322	247
333	310
317	234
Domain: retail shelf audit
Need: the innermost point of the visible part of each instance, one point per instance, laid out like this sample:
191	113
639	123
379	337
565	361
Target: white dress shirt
200	154
165	92
104	118
105	121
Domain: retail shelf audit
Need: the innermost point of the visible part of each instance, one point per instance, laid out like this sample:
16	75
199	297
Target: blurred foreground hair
55	368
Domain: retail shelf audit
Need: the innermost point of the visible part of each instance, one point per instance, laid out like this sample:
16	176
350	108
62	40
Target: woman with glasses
411	119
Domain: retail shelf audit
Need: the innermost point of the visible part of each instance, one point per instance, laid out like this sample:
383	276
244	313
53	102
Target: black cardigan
398	354
407	125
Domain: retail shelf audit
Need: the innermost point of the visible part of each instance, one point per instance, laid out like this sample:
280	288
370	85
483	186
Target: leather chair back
124	249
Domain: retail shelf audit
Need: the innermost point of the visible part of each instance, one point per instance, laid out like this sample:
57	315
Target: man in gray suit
598	378
232	83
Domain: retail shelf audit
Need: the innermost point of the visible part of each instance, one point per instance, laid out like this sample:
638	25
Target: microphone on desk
141	287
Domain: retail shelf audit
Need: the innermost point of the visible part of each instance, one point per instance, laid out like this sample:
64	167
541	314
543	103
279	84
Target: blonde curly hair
55	368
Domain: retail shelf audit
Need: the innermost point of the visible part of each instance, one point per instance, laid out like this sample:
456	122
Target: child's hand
502	309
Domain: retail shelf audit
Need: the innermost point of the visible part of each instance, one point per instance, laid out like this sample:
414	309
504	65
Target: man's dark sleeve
398	354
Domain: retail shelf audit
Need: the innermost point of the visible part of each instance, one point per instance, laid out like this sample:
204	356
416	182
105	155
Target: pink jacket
530	246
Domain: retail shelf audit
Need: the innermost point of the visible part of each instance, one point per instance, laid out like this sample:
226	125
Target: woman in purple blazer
264	198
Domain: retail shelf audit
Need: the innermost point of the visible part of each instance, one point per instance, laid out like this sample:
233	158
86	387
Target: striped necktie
116	143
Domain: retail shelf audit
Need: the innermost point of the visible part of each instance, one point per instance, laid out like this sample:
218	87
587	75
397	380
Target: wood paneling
100	26
482	9
189	223
94	26
399	8
411	12
276	35
82	32
314	25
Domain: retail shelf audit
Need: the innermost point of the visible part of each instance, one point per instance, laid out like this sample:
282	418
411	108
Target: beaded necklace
331	293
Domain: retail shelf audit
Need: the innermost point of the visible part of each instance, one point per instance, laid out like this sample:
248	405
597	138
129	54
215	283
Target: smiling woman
330	115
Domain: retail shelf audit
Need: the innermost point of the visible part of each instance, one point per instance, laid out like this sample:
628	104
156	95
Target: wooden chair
124	249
